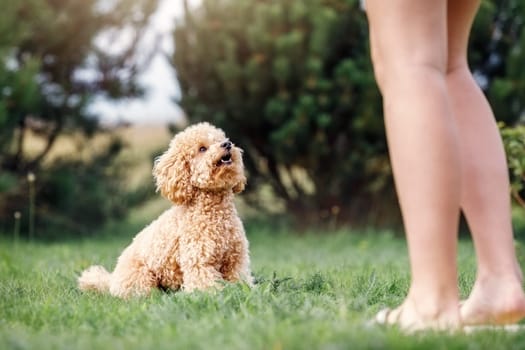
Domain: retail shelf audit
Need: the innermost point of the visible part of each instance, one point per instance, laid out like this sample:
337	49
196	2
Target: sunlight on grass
313	291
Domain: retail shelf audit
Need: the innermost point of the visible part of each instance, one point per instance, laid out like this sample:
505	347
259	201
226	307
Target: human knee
390	66
391	74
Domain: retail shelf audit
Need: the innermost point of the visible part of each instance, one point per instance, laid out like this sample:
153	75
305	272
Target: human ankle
496	278
507	268
435	305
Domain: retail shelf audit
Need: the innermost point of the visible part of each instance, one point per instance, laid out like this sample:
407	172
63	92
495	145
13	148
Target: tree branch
518	198
19	152
51	139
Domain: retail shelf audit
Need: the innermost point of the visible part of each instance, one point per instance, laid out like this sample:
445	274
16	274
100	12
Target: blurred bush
291	82
514	141
72	196
497	56
56	56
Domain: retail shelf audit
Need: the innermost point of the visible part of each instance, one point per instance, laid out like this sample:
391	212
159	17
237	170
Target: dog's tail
94	278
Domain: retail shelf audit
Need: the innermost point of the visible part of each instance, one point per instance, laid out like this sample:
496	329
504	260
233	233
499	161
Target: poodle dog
197	242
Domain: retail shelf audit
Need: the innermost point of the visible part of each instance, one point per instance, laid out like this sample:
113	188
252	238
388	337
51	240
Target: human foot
494	301
409	319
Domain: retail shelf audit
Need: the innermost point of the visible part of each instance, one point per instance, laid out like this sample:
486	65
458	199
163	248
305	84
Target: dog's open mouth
225	159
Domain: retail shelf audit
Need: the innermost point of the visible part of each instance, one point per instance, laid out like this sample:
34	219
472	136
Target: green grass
313	292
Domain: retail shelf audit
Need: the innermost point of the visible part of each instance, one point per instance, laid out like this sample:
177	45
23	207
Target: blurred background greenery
289	81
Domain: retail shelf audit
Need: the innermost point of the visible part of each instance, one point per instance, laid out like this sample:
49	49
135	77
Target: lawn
314	291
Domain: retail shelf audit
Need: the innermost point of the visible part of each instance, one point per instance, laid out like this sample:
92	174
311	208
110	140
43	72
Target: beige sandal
392	318
511	328
514	327
382	317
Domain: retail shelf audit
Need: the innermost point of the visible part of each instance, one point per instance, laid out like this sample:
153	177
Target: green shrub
514	141
298	96
291	82
72	196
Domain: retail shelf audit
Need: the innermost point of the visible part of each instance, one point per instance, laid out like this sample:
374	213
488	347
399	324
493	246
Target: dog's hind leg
132	278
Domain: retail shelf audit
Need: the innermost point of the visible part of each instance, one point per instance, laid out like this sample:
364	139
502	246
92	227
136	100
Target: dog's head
200	158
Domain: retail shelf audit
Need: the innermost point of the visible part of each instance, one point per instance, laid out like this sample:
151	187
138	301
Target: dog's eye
202	149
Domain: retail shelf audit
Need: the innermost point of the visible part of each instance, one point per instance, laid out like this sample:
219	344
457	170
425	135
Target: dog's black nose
227	144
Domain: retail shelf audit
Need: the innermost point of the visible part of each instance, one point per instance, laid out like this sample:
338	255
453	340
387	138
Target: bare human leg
497	296
409	52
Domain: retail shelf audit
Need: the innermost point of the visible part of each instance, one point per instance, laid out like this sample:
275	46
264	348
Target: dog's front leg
198	270
200	276
236	264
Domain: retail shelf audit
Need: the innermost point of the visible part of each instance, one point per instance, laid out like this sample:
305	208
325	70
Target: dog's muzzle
226	159
227	145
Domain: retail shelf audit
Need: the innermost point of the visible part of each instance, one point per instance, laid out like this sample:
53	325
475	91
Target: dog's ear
239	186
172	176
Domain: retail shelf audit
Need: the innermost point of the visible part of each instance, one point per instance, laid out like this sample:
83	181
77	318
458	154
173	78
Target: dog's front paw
201	278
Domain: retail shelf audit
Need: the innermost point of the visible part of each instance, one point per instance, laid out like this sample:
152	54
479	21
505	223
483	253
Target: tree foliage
292	83
295	92
514	141
497	55
55	57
